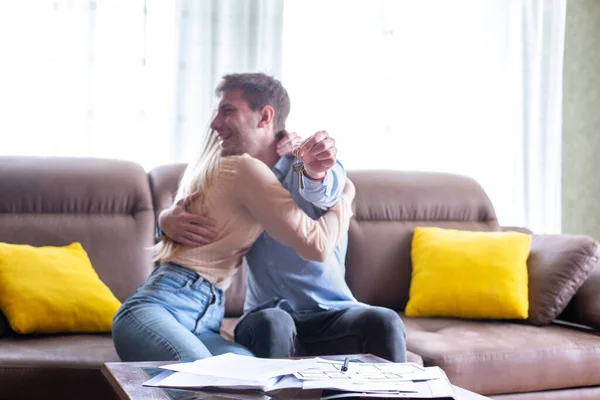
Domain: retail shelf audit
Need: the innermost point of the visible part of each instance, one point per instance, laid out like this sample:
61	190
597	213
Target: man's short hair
259	90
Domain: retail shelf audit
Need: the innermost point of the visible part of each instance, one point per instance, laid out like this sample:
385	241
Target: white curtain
127	79
465	86
217	37
542	35
87	78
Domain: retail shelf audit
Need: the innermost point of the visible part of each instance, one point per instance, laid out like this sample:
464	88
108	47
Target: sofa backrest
388	206
110	207
103	204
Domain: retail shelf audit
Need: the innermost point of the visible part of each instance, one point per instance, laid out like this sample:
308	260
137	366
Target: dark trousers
276	333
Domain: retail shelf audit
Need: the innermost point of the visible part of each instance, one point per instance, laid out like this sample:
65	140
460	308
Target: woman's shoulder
246	172
245	164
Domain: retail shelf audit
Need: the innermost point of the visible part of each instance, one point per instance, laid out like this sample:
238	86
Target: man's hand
318	154
288	143
186	228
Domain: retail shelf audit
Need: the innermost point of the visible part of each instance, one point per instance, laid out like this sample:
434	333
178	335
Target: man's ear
266	116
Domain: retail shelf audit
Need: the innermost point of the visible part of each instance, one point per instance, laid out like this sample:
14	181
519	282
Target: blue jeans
175	315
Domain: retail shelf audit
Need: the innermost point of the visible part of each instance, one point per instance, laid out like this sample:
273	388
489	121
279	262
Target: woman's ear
266	116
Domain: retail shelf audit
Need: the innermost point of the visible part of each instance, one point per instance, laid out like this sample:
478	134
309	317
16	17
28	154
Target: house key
299	165
299	168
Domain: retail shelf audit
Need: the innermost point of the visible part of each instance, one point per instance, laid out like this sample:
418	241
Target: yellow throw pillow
53	289
464	274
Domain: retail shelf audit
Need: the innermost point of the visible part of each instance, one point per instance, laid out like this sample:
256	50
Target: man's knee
386	334
386	321
267	333
271	321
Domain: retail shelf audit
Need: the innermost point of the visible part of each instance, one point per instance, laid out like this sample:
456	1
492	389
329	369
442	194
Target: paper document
185	380
437	389
233	366
353	386
235	372
198	394
383	373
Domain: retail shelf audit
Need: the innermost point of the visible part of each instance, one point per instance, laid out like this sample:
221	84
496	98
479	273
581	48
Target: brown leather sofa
110	207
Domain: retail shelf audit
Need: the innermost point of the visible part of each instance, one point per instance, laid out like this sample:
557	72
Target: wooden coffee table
126	379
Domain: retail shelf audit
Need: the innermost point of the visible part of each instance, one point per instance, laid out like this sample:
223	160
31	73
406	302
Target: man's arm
325	193
324	176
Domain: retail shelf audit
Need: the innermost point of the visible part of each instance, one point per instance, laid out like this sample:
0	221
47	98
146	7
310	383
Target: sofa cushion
493	357
413	357
582	393
52	289
57	351
558	266
465	274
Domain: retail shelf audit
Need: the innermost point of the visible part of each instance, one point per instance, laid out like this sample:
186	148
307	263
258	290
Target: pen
345	366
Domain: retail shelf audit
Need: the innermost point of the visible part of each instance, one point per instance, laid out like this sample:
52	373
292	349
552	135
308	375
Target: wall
581	119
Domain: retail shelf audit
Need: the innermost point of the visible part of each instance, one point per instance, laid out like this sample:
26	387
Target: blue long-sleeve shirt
277	272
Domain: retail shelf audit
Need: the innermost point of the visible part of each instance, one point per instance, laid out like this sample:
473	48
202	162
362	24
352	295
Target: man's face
237	125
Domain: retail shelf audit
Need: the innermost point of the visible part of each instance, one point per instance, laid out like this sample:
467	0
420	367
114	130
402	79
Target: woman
176	314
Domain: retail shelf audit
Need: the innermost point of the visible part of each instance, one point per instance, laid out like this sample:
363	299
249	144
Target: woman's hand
184	227
288	143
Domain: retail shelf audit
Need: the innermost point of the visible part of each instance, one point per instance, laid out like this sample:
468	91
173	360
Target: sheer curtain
467	86
87	78
127	79
217	37
470	87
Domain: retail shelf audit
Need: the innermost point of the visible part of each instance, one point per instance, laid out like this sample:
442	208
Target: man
293	306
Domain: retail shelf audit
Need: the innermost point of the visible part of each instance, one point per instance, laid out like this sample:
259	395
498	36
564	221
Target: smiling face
240	129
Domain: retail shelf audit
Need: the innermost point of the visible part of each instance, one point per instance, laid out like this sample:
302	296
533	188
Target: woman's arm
261	193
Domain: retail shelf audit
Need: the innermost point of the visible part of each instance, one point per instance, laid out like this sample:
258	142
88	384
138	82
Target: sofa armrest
558	266
584	308
516	229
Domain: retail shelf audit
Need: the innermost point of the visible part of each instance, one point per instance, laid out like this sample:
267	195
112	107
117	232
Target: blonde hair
197	177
